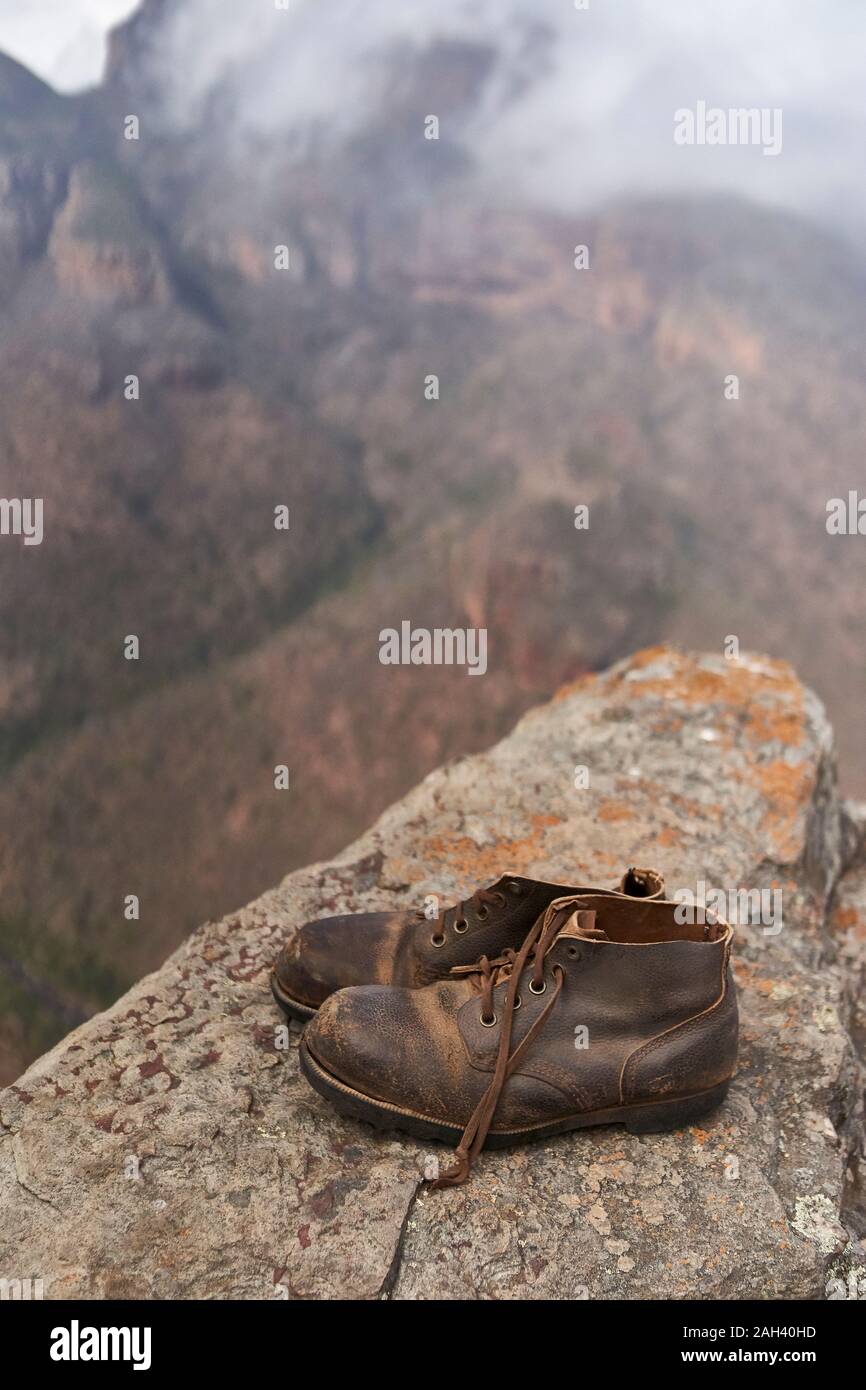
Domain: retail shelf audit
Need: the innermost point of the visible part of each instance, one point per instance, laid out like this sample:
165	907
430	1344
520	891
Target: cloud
62	41
581	105
597	120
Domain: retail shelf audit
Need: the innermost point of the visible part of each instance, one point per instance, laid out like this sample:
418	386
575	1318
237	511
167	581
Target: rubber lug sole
292	1008
649	1117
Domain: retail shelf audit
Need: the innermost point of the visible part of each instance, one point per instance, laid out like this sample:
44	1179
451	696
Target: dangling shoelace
489	973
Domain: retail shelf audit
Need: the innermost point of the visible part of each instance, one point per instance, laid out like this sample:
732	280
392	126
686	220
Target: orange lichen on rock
648	655
669	838
736	684
845	917
688	808
849	919
764	987
745	973
788	789
486	862
774	725
610	810
581	683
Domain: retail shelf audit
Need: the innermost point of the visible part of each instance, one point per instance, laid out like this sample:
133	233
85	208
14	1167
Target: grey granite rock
169	1149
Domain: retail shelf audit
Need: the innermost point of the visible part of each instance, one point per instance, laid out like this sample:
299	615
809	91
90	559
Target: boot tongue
575	921
582	924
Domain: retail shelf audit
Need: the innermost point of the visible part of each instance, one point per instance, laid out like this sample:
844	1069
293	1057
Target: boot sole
292	1008
648	1117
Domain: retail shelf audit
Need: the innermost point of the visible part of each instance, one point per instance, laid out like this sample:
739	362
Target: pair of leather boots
530	1009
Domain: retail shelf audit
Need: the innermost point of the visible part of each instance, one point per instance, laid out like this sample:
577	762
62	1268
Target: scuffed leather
333	952
394	948
697	1054
661	1019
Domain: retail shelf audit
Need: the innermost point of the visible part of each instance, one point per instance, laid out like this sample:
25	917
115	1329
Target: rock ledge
169	1149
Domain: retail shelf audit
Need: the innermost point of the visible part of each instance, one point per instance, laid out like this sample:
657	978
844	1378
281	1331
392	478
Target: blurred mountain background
408	257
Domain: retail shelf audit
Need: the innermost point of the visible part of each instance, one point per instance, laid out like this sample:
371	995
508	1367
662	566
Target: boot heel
674	1114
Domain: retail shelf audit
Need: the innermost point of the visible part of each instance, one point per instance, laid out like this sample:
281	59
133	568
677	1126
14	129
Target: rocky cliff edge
168	1148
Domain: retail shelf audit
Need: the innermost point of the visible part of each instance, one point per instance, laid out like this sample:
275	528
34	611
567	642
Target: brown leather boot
411	949
610	1011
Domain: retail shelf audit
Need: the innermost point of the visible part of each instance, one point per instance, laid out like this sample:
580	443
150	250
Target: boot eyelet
437	939
538	991
515	888
483	912
573	951
461	925
517	1002
487	1022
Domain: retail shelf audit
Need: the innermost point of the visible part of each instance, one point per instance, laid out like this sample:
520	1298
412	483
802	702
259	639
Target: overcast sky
62	41
597	122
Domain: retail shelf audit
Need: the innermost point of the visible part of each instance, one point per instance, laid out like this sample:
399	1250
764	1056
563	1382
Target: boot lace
481	902
484	976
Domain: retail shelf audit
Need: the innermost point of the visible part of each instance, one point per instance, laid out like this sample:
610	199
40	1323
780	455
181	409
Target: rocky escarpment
169	1147
167	386
34	133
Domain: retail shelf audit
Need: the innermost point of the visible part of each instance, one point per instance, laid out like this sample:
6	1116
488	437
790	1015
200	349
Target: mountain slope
261	388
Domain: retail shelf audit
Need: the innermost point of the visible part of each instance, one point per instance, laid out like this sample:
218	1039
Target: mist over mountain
305	388
575	104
